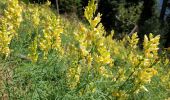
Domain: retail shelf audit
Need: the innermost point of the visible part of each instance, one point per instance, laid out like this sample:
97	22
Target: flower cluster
34	18
10	22
73	76
133	41
150	49
51	35
96	53
90	11
150	57
47	30
13	14
33	49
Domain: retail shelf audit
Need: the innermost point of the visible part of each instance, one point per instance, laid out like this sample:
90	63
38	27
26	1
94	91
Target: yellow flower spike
84	51
35	17
48	3
9	22
82	28
147	62
104	72
73	76
51	40
133	40
89	59
150	49
167	61
96	20
146	74
33	55
90	10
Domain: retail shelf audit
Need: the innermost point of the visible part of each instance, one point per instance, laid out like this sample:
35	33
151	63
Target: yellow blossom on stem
9	23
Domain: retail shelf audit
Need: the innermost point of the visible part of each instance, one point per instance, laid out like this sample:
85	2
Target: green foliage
129	16
70	5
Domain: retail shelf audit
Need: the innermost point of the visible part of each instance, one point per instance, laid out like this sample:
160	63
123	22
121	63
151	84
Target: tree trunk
163	10
57	5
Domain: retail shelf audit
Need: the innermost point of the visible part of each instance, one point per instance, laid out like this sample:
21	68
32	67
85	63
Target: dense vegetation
48	56
122	16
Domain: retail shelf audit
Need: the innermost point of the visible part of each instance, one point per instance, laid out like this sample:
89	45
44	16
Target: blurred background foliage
120	15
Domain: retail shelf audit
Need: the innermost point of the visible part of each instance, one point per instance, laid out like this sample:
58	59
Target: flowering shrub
47	29
71	60
96	56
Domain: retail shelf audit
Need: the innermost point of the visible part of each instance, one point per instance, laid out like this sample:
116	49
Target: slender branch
57	6
135	29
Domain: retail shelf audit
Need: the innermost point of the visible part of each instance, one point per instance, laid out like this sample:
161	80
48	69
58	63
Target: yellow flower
33	55
133	40
104	72
73	76
9	22
145	75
